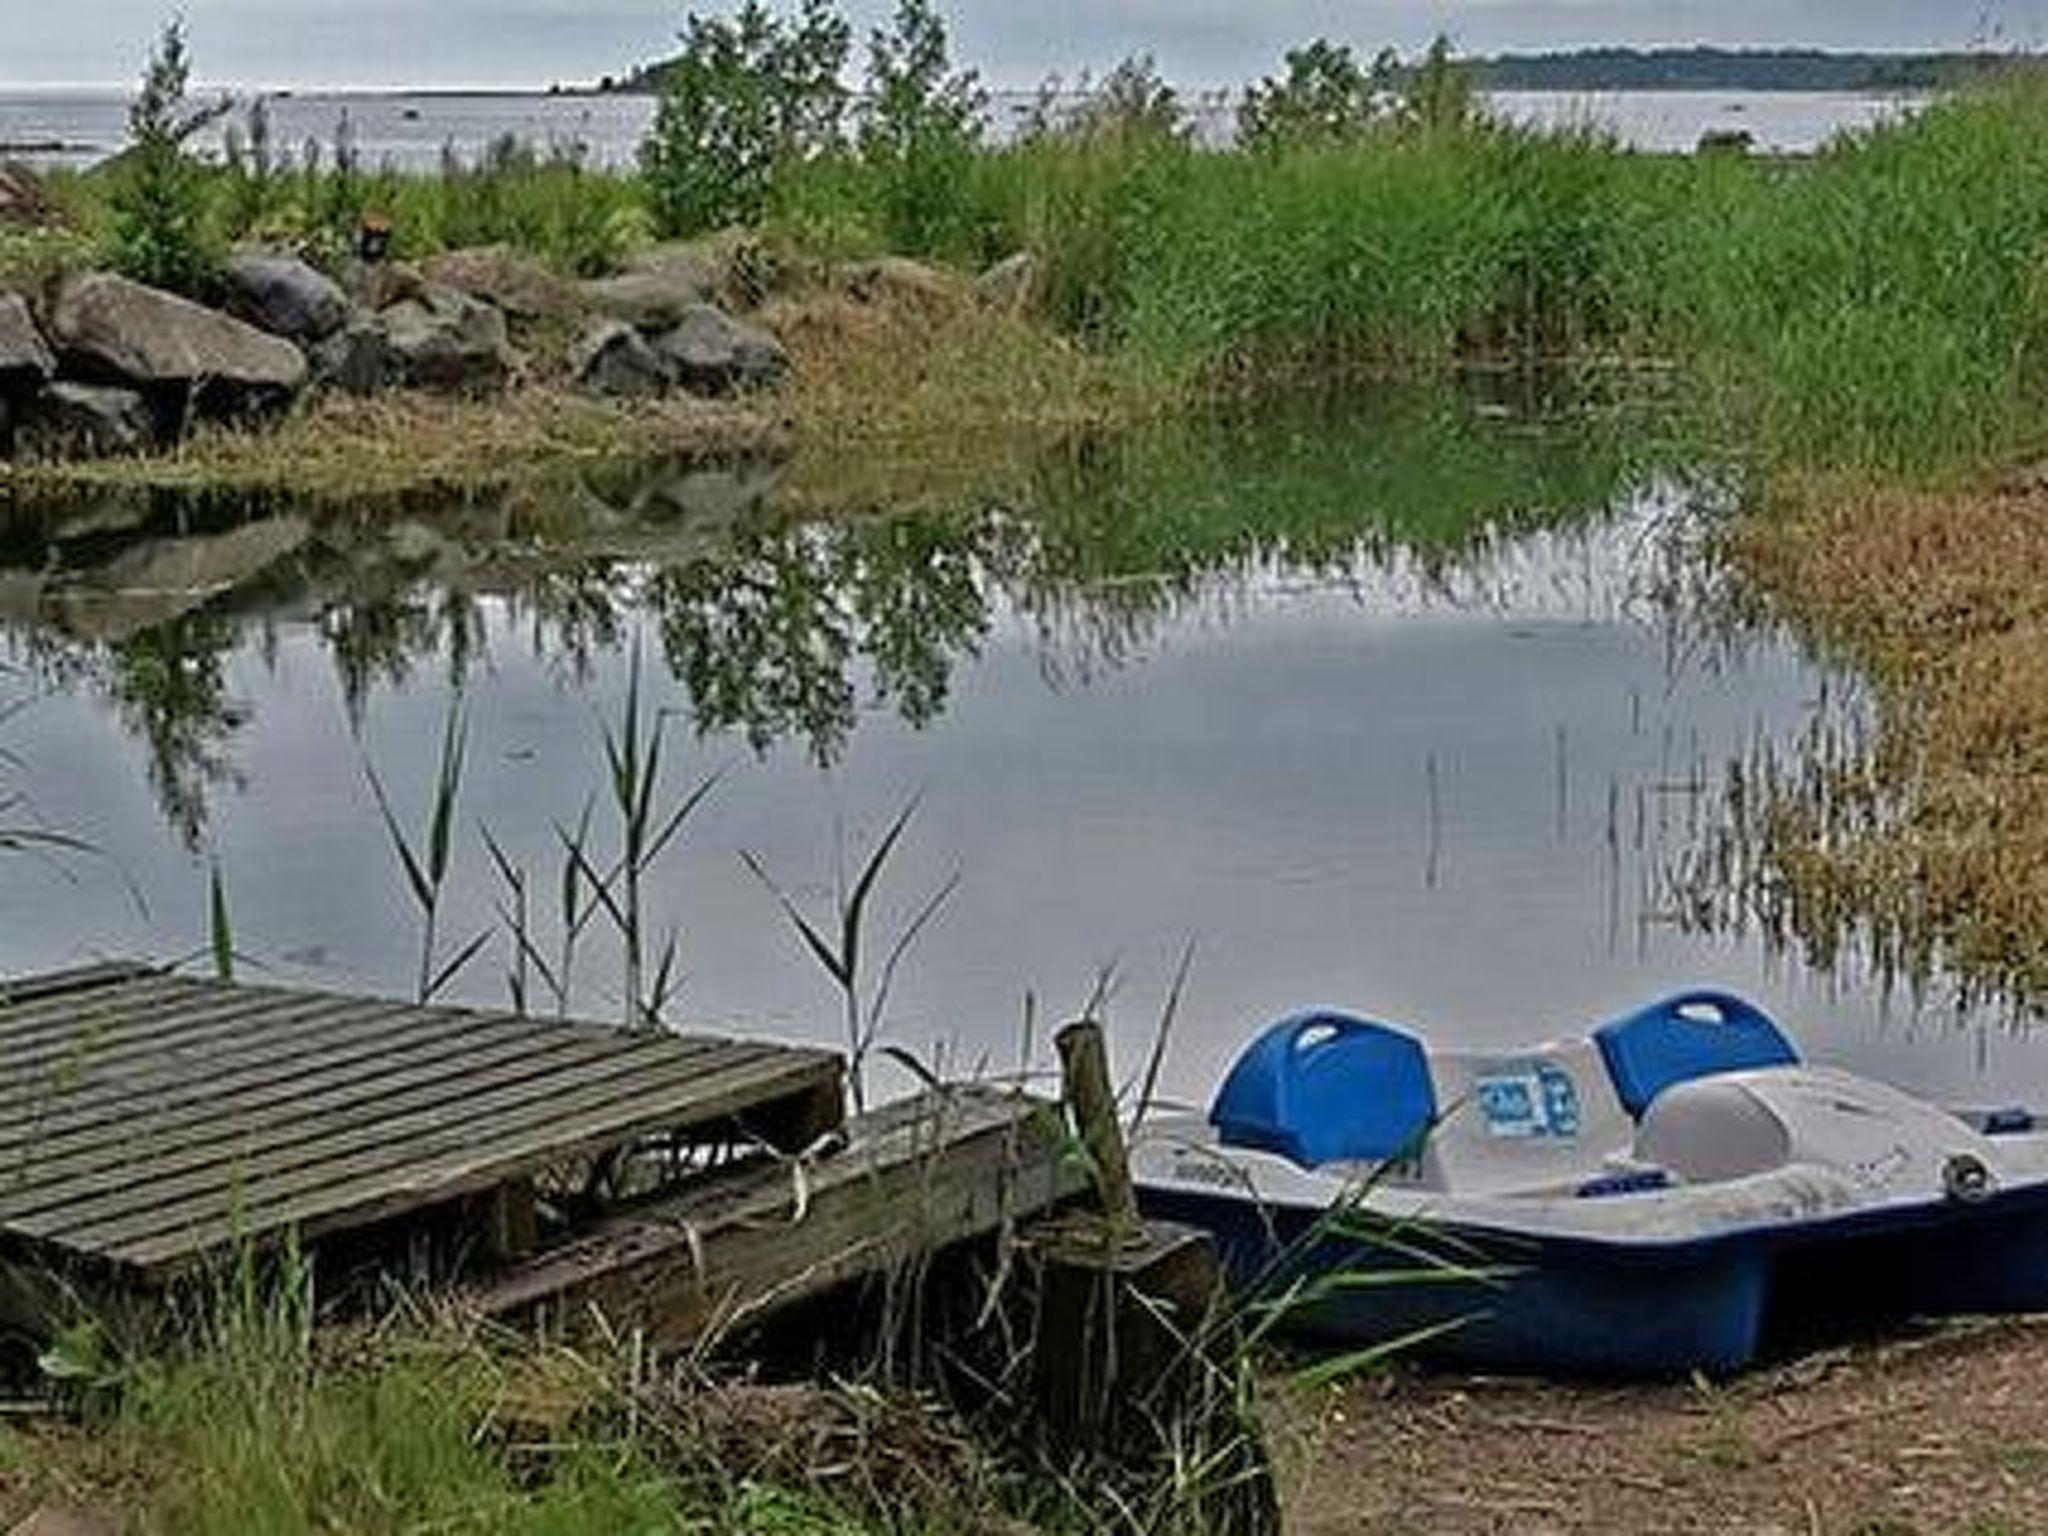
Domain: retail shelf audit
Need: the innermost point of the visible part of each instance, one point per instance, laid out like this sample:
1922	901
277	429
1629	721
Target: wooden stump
1138	1359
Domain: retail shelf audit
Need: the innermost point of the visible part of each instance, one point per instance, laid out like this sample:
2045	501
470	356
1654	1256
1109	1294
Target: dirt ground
1942	1433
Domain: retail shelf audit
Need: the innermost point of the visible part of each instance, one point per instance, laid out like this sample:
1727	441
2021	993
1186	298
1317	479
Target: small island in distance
1664	69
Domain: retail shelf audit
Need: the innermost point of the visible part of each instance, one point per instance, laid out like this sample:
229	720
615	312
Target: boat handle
1724	1008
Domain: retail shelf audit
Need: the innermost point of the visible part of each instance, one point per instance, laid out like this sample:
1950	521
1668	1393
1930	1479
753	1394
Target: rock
710	353
611	359
154	582
732	268
1726	141
377	285
649	301
69	421
359	359
447	340
286	297
901	281
1014	285
496	274
110	330
26	362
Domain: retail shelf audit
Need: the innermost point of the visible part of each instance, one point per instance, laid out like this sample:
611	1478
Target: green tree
1325	96
745	97
919	128
161	233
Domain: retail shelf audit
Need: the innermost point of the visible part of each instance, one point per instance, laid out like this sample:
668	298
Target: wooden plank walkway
150	1121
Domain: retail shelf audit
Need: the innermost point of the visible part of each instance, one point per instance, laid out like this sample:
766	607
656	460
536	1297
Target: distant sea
75	128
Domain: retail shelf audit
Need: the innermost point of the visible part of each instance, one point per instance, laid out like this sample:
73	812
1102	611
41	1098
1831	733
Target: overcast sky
1014	42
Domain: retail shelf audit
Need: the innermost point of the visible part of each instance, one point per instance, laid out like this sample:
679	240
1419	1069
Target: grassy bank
1878	306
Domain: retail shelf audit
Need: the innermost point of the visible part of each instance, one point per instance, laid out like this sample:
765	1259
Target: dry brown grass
342	447
1936	840
921	394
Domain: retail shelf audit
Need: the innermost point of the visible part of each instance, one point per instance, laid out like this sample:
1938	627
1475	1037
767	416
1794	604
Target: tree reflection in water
780	629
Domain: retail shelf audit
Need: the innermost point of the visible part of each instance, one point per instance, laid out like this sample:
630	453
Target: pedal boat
1655	1199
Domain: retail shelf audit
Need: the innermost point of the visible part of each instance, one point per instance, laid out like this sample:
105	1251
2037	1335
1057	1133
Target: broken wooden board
949	1167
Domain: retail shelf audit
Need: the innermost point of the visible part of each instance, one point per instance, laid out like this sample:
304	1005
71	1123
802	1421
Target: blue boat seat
1686	1036
1325	1087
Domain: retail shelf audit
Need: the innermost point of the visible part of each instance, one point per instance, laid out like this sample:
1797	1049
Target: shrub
161	232
743	98
1326	96
920	127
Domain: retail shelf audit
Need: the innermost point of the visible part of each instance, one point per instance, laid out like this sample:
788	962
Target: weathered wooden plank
365	1146
147	1077
83	978
26	1021
87	1114
947	1168
563	1130
281	1115
102	1018
319	1125
186	1029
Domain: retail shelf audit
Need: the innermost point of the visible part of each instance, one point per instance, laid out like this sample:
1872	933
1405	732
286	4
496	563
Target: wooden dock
150	1121
152	1125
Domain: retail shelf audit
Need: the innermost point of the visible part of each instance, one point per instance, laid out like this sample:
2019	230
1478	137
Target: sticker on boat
1536	1102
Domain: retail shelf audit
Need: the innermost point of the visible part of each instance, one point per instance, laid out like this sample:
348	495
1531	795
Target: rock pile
100	364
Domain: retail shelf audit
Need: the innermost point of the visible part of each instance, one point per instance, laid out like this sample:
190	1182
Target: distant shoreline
1655	71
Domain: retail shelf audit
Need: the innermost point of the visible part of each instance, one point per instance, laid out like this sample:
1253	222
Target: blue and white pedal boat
1653	1199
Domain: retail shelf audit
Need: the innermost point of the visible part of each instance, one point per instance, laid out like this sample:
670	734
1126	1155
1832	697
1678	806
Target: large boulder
445	339
26	362
520	286
110	330
710	353
70	421
286	297
611	358
25	365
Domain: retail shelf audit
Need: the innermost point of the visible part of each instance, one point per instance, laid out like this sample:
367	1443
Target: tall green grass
1882	306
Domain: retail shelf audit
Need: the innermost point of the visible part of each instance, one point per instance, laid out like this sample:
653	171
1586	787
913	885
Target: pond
1418	704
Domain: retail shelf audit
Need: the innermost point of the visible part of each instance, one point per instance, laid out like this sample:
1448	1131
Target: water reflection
777	629
1412	704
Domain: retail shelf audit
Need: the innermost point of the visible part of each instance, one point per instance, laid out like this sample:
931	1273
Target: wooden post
1135	1345
1091	1101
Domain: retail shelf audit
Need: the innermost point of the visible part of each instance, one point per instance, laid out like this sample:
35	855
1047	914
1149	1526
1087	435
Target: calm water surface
58	127
1409	705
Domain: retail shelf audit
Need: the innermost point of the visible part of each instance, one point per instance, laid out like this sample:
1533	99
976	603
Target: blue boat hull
1665	1309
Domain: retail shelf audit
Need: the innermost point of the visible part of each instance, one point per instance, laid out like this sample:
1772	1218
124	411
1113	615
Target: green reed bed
1881	307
